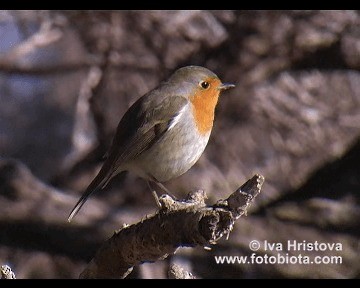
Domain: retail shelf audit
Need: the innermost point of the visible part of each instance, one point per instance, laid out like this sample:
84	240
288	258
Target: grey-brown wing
141	127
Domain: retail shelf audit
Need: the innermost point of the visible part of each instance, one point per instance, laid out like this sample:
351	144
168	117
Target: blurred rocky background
67	77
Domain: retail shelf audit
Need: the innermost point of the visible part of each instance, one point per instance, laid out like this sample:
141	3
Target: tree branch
178	223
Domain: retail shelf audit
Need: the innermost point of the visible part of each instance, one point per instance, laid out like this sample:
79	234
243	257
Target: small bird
164	133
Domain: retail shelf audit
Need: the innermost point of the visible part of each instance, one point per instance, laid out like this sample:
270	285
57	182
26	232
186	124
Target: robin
164	133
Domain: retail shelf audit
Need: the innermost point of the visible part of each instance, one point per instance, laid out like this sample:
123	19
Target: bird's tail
99	182
80	203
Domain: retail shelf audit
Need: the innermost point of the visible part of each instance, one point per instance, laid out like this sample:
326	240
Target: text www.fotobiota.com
292	252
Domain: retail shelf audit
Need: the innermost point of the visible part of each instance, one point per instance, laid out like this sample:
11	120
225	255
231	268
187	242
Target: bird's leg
153	191
165	189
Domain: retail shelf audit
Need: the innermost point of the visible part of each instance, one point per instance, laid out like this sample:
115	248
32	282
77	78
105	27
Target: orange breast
203	105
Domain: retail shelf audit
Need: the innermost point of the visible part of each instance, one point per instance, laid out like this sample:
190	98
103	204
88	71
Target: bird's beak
225	86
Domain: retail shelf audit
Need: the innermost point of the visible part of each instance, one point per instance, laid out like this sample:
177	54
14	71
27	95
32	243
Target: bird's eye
204	84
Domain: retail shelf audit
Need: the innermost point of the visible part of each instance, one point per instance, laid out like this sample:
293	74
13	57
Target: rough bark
178	223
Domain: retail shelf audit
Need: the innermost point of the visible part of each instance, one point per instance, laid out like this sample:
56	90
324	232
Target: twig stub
6	272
